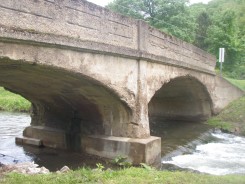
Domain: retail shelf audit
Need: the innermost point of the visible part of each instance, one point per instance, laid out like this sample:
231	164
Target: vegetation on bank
12	102
238	83
123	176
232	118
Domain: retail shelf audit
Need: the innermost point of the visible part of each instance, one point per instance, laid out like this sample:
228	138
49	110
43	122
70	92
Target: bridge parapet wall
83	25
161	44
75	19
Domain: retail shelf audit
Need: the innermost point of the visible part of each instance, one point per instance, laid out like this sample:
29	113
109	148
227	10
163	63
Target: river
185	145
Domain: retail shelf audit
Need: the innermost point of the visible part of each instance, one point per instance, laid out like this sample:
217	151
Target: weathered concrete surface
50	137
224	93
28	141
88	71
179	94
135	150
184	99
83	25
66	86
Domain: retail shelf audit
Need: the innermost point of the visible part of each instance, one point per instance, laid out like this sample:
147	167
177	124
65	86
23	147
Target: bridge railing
81	24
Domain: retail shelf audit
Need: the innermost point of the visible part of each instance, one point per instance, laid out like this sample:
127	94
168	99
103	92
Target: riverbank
123	176
232	118
12	102
239	83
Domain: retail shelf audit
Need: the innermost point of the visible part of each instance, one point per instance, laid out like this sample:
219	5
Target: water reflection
176	134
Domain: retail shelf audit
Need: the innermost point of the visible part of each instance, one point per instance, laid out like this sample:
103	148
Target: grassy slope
124	176
13	102
238	83
232	118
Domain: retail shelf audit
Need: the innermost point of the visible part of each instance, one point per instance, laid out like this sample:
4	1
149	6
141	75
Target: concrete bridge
95	78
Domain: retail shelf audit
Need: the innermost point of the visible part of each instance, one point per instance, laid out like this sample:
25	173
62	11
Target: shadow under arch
181	99
65	100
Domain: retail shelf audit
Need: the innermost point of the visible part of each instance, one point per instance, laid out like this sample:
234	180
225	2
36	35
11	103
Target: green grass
12	102
124	176
238	83
232	118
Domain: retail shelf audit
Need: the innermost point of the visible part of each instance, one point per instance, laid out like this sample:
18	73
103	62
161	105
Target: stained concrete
135	151
183	99
28	141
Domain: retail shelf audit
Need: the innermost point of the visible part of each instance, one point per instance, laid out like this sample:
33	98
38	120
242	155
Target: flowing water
12	125
195	146
186	145
222	154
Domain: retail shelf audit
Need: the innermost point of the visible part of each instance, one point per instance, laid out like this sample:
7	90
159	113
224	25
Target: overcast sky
105	2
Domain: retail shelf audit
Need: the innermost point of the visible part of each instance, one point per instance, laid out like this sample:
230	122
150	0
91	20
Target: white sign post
221	58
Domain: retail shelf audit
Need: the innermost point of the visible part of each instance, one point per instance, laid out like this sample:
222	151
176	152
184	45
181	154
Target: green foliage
124	176
100	167
171	16
226	29
217	123
203	22
223	33
13	102
132	8
121	162
239	83
232	118
147	167
236	72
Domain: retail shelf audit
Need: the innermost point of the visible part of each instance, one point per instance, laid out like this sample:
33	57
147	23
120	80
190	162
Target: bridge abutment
135	150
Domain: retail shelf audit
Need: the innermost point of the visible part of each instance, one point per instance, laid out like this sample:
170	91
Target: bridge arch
66	100
183	98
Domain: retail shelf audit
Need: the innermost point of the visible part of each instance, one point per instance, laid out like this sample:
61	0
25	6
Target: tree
132	8
203	22
171	16
222	33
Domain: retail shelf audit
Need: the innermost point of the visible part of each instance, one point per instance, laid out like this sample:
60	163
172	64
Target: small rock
32	170
44	170
64	169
